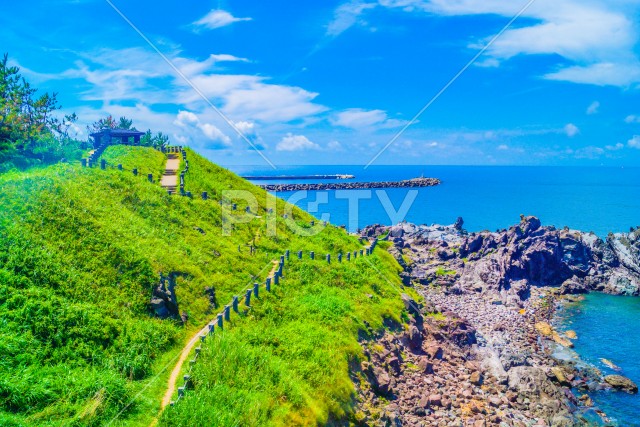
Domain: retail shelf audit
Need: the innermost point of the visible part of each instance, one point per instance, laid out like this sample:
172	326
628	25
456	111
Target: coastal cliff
480	348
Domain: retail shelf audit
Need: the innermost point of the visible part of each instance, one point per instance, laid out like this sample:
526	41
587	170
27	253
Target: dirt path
171	385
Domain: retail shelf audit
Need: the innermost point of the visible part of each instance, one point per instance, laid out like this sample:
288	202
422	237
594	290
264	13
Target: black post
205	196
312	255
103	164
220	321
256	290
120	167
268	284
235	303
247	298
135	171
150	177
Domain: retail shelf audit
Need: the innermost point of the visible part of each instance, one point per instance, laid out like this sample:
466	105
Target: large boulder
621	383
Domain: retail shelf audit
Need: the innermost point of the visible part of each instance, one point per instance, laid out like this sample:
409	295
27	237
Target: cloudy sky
284	82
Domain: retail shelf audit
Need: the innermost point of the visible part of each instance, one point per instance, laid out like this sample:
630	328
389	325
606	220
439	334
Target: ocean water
594	199
598	199
609	327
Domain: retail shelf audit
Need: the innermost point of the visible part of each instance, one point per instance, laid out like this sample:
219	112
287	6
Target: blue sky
334	81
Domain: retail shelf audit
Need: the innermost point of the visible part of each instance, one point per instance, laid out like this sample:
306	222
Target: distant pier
409	183
296	177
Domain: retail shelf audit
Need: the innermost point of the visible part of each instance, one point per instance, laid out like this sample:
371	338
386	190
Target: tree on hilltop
30	131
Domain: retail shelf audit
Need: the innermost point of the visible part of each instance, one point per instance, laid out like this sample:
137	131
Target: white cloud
600	74
634	142
136	76
571	130
186	118
503	147
293	142
346	16
357	118
189	122
335	146
618	146
214	134
271	103
217	18
593	108
597	37
247	128
632	119
589	152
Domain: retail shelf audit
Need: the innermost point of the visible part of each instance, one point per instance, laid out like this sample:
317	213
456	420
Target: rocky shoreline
480	348
409	183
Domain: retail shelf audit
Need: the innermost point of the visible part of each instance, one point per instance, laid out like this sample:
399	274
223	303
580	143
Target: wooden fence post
220	321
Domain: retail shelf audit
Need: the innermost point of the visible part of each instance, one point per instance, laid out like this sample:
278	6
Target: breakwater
408	183
297	177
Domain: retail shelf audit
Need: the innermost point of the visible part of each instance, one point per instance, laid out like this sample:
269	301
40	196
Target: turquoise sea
609	327
598	199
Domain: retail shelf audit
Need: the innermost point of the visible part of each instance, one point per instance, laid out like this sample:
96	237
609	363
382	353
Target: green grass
441	271
82	249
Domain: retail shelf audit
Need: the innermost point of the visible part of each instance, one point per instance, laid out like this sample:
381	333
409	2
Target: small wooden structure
124	136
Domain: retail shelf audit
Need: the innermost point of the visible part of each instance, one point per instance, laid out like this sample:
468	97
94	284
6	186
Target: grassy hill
80	253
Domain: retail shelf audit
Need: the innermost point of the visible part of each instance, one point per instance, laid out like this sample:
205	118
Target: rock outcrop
508	262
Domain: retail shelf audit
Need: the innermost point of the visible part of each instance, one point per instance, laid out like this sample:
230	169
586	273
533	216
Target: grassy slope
80	251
